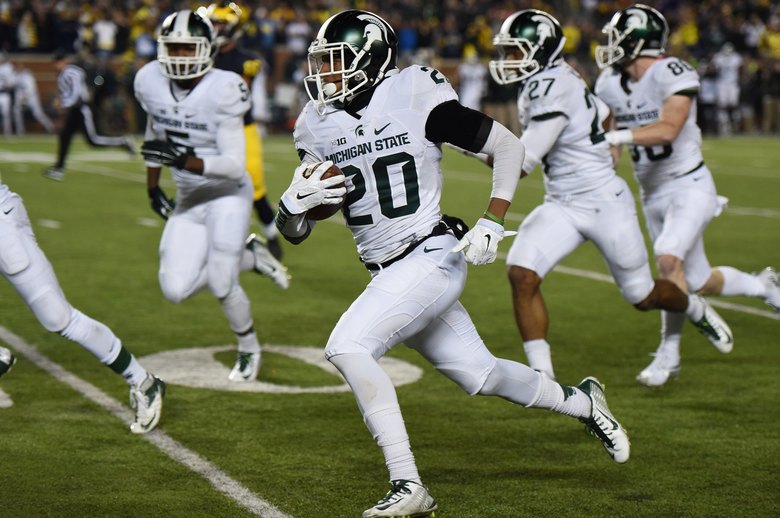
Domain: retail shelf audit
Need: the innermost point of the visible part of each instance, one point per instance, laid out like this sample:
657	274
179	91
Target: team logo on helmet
375	31
544	30
636	19
528	42
636	31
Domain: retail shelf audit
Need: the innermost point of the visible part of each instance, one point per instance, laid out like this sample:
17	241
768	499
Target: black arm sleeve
454	123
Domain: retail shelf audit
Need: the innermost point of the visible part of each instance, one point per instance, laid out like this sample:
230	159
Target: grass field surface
706	444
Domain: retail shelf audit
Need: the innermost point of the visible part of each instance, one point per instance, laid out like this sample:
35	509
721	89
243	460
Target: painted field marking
221	481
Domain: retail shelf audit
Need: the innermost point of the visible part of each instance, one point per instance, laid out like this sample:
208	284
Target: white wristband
618	137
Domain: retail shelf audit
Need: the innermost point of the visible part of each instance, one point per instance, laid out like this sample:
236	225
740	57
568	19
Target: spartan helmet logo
374	31
637	19
544	29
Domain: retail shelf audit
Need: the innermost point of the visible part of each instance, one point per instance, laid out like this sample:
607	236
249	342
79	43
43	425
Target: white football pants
415	301
26	267
201	246
607	216
676	218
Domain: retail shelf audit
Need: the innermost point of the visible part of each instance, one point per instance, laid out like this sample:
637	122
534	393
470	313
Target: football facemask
353	51
636	31
185	49
528	41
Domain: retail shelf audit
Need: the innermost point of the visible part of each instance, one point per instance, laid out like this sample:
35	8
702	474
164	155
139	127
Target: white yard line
221	481
577	272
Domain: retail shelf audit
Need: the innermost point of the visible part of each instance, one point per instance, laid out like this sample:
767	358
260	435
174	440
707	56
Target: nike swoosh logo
619	192
6	212
488	240
697	178
383	128
300	197
640	106
614	424
429	250
189	115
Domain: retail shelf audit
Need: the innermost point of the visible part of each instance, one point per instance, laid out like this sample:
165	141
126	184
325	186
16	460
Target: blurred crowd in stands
119	36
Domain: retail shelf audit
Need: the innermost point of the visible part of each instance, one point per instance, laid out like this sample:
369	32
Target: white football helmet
186	28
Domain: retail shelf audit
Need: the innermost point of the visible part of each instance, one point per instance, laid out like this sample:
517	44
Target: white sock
736	282
134	374
247	342
539	357
671	332
383	425
237	309
377	401
562	399
695	308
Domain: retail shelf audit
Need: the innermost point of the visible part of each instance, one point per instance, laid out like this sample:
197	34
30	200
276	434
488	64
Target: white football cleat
7	360
768	276
54	173
147	399
266	264
246	367
603	424
405	499
715	328
663	368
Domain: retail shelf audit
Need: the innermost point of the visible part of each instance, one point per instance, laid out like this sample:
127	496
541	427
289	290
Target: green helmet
539	39
358	47
636	31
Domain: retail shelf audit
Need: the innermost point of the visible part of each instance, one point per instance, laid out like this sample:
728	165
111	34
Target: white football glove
480	244
309	190
619	137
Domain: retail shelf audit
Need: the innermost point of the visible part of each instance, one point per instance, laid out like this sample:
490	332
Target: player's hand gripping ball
324	211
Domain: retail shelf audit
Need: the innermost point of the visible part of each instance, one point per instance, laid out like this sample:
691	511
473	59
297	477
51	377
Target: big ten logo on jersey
385	140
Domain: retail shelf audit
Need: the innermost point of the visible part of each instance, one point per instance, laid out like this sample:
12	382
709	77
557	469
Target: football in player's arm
383	127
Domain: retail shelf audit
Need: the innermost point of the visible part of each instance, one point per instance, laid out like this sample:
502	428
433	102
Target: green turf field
706	444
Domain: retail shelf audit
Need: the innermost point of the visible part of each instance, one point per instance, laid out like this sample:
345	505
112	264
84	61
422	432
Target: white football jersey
191	120
471	76
727	64
580	160
393	172
641	104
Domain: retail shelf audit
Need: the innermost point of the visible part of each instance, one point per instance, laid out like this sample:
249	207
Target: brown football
325	211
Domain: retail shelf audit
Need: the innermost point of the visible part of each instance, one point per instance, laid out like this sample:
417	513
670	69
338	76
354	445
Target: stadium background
117	38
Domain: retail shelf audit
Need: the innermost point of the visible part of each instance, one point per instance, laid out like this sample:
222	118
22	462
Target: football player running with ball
653	99
383	127
26	267
195	127
585	199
